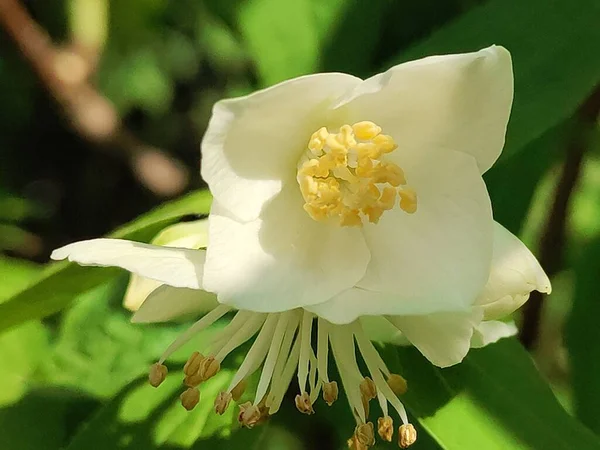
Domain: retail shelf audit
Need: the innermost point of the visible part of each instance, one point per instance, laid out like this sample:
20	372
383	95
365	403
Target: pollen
347	177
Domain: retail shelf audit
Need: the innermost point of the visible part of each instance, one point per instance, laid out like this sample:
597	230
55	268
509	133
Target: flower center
345	176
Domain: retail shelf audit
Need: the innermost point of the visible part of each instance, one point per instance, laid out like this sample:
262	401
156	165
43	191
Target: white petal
173	266
460	102
492	331
253	143
438	258
514	273
282	260
443	338
167	303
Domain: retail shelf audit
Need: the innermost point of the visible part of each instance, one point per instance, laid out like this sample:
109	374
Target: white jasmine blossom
347	206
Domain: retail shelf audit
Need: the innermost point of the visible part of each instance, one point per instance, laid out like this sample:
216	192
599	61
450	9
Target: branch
65	75
553	240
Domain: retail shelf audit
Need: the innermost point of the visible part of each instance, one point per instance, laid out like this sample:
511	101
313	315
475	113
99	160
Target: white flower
348	205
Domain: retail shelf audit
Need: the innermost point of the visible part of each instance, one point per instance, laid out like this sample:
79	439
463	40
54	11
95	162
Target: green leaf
147	418
495	399
583	338
22	348
556	62
281	37
61	282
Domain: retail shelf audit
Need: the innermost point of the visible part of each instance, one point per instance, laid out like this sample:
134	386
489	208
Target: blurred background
103	104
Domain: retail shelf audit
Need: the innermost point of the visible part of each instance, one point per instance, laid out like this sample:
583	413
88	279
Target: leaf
150	418
61	282
98	350
495	399
556	62
281	37
583	338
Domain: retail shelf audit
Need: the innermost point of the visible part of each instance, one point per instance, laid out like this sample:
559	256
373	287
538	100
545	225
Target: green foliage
61	282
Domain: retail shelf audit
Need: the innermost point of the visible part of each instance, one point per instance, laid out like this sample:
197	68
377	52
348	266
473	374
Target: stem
553	240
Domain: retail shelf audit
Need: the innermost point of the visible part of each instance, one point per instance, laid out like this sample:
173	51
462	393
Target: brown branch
65	73
553	240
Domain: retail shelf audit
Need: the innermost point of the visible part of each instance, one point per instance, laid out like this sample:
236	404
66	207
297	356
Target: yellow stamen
190	398
222	402
158	373
368	389
365	434
238	390
249	415
345	176
330	392
385	428
407	435
304	404
398	384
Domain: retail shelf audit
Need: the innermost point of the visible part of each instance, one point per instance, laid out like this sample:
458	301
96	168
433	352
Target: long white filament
201	324
323	348
370	356
245	332
285	380
305	349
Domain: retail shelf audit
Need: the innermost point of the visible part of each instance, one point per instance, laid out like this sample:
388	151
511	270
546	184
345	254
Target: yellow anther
398	384
193	364
407	435
365	130
408	200
385	428
368	389
344	177
157	374
209	367
249	415
317	141
365	434
190	398
330	392
385	143
222	402
304	404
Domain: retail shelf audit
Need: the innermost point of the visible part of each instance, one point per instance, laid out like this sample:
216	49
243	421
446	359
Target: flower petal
492	331
167	303
283	260
378	328
438	258
173	266
253	143
443	338
514	273
460	102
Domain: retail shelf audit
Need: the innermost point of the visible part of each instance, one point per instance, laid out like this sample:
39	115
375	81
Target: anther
208	368
365	434
222	402
249	415
366	130
330	392
157	374
408	200
407	435
368	389
238	390
398	384
303	403
193	364
190	398
385	428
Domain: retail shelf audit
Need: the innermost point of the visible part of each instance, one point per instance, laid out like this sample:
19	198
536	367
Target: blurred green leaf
583	338
495	399
21	349
61	282
98	350
143	417
281	37
556	62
